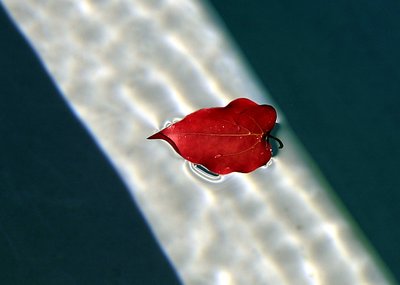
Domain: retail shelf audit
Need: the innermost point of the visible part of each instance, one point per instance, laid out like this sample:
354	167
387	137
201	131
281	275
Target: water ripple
127	67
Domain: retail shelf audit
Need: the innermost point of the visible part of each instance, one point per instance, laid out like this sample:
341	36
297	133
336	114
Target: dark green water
334	69
65	217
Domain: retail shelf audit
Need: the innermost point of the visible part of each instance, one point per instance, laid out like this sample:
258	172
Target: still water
129	68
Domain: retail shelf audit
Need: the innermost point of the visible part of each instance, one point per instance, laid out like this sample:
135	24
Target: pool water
125	70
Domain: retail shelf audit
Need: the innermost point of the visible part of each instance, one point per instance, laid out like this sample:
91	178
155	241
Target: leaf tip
153	137
158	136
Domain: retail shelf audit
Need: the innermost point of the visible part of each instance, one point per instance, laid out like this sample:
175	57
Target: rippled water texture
128	67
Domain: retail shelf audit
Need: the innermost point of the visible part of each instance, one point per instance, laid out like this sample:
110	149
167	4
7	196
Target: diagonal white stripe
128	66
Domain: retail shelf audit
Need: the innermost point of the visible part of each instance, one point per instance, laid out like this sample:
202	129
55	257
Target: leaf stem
276	139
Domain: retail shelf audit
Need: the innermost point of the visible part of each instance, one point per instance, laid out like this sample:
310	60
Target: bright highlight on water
128	66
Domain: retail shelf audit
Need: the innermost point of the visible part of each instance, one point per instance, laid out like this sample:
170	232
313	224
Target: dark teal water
334	69
65	217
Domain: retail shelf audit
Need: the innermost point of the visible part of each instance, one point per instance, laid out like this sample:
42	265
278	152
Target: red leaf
224	140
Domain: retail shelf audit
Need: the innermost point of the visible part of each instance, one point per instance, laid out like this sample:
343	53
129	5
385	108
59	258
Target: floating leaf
227	139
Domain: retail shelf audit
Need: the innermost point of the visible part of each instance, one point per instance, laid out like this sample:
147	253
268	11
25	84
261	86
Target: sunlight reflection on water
128	66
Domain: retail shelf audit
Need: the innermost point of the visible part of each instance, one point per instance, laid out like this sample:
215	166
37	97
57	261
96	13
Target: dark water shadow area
333	69
65	215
